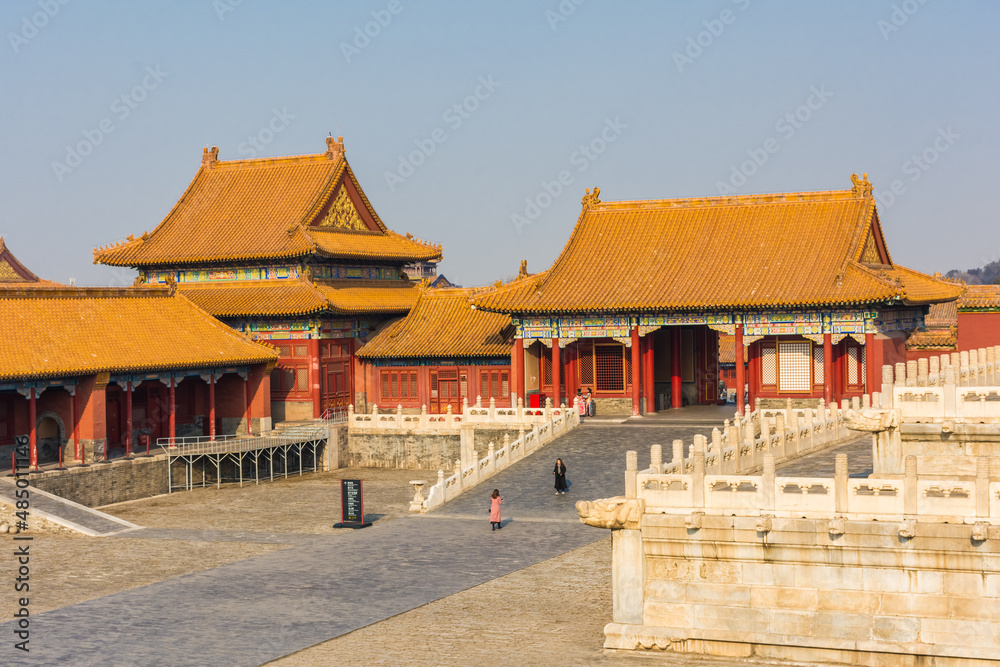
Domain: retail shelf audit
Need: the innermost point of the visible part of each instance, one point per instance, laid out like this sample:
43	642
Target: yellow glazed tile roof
265	209
264	297
363	297
942	315
81	331
300	297
727	350
976	297
937	339
754	251
14	273
443	324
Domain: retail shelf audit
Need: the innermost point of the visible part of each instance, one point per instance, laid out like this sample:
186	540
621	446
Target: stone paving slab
66	512
260	609
215	536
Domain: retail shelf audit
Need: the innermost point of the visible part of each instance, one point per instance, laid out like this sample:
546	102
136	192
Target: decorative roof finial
334	147
523	273
591	198
861	187
209	157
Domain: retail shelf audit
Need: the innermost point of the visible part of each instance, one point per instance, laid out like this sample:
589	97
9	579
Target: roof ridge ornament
334	147
523	272
209	157
591	198
861	186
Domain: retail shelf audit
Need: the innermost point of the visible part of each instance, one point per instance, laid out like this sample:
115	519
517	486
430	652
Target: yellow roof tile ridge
60	291
272	161
727	200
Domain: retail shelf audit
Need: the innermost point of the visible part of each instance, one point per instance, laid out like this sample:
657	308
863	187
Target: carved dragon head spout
613	513
871	421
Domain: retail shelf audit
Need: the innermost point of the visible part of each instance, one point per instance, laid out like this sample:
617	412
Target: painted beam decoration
325	271
840	323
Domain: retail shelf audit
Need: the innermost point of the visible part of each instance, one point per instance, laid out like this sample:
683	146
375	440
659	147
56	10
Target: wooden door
448	387
335	373
114	414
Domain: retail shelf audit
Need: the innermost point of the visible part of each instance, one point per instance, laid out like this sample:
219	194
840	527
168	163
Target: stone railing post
923	370
933	371
911	373
440	484
982	486
796	434
812	416
887	387
973	368
840	483
374	412
751	443
423	416
678	456
631	470
856	402
656	458
877	400
910	485
782	435
950	392
717	442
698	478
835	418
449	418
900	375
493	410
866	401
399	416
767	483
350	414
458	474
536	436
479	401
492	455
520	436
991	367
963	373
520	409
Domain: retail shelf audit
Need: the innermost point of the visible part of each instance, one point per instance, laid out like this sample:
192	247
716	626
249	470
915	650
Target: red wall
976	330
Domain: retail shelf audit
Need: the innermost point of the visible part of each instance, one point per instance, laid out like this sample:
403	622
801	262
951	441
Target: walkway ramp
65	513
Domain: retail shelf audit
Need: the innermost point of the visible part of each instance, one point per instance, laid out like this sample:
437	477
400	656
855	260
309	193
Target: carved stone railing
739	447
480	415
465	477
911	497
961	386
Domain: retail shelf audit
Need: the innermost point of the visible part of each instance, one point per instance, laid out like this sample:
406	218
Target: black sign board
352	506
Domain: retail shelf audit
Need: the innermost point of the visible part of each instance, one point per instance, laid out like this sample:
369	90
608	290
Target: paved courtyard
278	581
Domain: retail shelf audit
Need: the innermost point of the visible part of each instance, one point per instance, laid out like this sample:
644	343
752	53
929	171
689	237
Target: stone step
65	513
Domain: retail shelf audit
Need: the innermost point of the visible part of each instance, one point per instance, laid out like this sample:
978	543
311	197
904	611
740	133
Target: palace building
633	306
442	353
88	369
969	323
290	251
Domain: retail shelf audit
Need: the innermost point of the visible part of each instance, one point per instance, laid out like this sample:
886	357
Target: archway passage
49	440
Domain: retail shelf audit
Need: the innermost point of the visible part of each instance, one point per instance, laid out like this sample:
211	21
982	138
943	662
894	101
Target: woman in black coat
560	473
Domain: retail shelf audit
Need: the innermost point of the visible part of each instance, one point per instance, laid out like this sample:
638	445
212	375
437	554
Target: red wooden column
571	374
873	380
556	374
648	386
314	377
740	369
828	368
636	371
172	406
517	371
73	411
211	406
247	402
32	428
128	418
676	386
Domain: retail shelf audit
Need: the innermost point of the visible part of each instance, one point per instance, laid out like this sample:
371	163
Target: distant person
581	404
591	406
495	502
560	473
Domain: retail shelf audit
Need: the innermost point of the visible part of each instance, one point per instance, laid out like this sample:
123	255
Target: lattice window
818	365
768	365
302	379
852	364
586	365
398	385
546	367
793	366
610	367
494	384
301	351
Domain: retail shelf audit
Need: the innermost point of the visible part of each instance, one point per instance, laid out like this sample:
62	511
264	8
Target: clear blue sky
663	115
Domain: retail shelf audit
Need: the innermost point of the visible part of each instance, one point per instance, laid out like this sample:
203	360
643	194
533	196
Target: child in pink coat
495	502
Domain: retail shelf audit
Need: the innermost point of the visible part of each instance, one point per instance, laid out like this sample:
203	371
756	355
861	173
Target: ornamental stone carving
614	513
872	421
